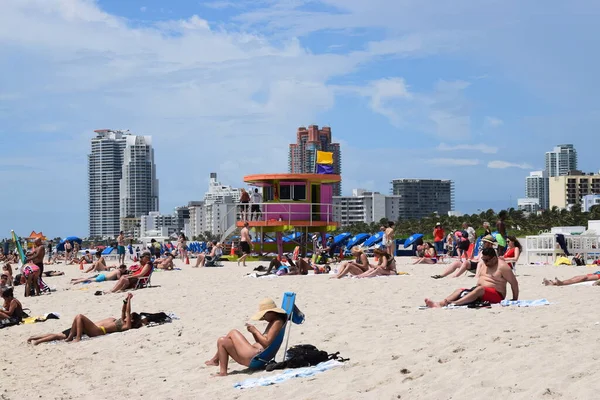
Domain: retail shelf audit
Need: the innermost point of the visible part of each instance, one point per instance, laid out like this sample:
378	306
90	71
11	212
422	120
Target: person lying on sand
467	265
355	267
577	279
493	276
82	325
385	266
105	276
235	345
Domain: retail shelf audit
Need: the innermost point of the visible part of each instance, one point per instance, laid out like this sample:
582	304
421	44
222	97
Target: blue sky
474	91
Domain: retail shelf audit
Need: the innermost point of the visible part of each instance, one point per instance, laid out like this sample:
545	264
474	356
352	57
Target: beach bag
304	355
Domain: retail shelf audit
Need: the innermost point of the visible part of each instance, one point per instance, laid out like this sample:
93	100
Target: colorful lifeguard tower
299	203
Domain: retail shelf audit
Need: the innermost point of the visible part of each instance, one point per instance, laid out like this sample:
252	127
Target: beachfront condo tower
561	160
121	180
419	198
303	153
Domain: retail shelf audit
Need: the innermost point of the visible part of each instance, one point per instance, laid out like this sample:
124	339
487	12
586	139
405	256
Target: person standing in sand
236	346
501	236
68	249
493	275
37	255
245	244
121	247
388	238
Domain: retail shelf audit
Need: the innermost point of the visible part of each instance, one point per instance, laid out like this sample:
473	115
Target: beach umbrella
376	238
357	240
412	238
342	237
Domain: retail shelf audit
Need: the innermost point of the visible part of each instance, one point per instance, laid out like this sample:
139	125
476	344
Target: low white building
589	201
156	224
362	206
528	204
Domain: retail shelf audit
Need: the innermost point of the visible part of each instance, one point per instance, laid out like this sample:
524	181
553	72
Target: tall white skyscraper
121	182
537	187
561	160
139	186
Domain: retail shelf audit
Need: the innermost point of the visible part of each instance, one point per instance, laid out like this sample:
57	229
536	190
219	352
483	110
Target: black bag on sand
304	355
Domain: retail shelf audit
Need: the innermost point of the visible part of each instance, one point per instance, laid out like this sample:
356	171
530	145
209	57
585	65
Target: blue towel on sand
287	374
525	303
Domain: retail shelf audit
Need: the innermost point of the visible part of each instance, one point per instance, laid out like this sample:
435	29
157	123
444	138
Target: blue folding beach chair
294	315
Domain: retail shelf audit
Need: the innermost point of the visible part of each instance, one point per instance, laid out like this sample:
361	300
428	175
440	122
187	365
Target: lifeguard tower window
292	192
268	193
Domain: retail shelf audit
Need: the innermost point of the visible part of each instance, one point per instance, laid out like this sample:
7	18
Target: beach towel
287	374
42	318
525	303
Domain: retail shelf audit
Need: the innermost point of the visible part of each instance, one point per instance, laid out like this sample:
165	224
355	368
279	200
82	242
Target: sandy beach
396	350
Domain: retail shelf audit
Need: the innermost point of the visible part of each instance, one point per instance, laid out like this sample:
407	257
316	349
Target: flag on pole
324	157
324	162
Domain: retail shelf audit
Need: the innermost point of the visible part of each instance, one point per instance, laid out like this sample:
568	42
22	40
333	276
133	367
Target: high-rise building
303	153
122	181
536	187
572	188
418	198
105	164
139	186
561	160
362	206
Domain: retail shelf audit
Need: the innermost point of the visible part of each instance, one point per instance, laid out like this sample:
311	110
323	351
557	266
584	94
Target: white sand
524	353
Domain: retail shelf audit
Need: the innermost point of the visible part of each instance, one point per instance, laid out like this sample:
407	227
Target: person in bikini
388	238
236	346
385	266
82	325
429	256
461	266
108	276
355	267
131	281
492	277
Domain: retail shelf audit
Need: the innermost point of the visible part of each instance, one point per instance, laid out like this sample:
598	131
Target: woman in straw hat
236	345
385	266
355	267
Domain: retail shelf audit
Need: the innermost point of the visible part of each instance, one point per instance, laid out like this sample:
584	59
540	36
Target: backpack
304	355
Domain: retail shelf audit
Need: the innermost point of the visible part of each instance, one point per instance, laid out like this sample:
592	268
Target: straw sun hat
265	306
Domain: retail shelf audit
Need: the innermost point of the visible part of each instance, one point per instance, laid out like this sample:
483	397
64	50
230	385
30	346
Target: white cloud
442	112
506	164
454	162
483	148
493	122
143	9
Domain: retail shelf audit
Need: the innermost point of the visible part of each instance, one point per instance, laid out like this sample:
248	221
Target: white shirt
256	197
471	232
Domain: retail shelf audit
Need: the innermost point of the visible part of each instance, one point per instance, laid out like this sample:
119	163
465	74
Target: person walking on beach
245	244
438	238
121	247
68	250
49	251
493	275
388	239
255	207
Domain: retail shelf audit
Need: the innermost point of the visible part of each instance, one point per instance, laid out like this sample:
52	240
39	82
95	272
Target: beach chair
294	315
215	262
144	282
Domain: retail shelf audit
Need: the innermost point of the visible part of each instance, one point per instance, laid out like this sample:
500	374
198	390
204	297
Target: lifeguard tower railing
274	214
546	246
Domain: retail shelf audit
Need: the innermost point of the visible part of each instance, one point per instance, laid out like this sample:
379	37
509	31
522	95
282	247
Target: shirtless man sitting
108	276
492	276
99	265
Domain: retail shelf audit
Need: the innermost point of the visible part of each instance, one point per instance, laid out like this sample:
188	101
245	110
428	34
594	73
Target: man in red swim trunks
493	276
